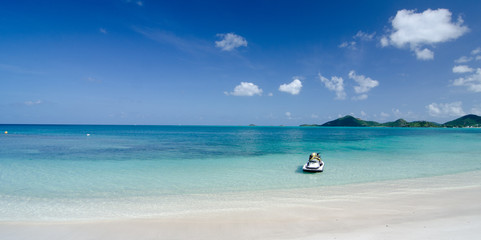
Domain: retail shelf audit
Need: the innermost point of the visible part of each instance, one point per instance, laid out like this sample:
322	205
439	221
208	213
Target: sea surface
57	172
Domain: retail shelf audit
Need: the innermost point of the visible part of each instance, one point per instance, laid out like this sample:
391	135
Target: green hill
398	123
350	121
404	123
470	120
423	124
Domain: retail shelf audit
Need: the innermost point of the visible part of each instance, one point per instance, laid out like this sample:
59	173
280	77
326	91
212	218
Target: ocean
81	172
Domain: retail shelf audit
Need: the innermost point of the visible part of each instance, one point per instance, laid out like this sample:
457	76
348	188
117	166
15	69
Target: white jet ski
315	164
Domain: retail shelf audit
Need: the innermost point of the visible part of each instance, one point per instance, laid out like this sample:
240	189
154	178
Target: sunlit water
77	172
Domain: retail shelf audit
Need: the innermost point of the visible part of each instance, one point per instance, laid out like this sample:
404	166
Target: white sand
446	207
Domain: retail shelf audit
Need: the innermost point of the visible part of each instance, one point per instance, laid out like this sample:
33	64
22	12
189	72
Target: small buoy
6	132
88	134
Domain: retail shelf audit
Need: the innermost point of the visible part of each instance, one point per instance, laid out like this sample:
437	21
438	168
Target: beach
441	207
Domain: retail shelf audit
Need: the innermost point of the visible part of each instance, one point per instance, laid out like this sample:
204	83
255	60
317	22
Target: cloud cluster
336	84
350	45
416	30
472	82
453	109
245	89
230	41
249	89
360	36
475	55
472	79
424	54
463	59
476	51
462	69
365	85
293	88
364	36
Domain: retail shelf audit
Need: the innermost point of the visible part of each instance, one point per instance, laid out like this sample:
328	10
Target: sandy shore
446	207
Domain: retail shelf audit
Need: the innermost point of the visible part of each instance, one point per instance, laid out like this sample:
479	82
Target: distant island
469	120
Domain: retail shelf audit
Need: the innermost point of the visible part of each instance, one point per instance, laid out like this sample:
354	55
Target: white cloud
293	88
424	54
476	51
360	36
427	28
336	84
462	69
365	84
384	41
245	89
230	41
463	59
350	45
445	109
102	30
364	36
472	82
289	115
384	115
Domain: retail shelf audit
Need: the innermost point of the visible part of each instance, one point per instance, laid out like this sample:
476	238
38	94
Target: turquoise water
42	166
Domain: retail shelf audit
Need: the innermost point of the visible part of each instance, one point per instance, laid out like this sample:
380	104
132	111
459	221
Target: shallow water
44	168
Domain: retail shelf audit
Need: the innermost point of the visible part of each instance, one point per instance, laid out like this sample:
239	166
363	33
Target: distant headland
469	120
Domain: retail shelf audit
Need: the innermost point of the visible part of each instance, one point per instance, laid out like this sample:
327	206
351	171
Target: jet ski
315	164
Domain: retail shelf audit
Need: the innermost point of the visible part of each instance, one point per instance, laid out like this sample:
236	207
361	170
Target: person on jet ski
314	156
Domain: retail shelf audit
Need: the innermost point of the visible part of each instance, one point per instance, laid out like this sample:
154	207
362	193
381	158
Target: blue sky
238	62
